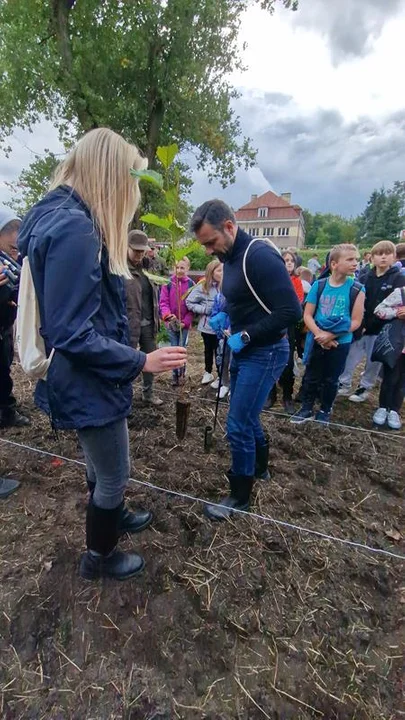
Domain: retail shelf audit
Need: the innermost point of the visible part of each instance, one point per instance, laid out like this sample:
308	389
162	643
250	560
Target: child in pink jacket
171	294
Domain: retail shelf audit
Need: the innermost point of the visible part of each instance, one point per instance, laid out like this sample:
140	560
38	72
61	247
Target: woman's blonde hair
209	275
98	168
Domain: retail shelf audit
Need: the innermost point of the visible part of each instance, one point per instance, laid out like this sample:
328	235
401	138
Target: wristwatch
245	337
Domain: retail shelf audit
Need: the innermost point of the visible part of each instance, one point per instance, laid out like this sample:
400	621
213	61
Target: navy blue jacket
267	274
83	315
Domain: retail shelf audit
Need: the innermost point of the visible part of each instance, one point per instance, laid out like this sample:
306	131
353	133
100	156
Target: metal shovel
210	429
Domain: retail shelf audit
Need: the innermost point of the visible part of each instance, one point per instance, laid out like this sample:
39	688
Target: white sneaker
380	416
207	378
223	392
344	391
215	384
360	395
394	420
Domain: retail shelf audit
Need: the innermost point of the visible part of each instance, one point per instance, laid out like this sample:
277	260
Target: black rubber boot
239	498
11	418
130	522
102	559
262	461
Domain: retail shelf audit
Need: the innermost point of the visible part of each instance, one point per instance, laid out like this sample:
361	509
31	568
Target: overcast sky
322	100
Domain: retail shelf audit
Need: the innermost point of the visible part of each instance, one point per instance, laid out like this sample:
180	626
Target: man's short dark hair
10	227
214	212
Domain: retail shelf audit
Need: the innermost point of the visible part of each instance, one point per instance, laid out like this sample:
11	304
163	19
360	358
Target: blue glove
235	342
218	322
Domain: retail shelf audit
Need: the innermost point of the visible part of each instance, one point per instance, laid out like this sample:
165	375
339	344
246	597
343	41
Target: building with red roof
273	216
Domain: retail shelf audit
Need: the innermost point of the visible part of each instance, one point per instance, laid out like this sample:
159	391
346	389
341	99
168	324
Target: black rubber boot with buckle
130	522
102	558
238	499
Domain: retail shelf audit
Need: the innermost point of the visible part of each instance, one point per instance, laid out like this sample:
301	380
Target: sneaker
380	417
215	384
223	392
344	391
152	402
394	421
359	395
302	416
207	378
323	417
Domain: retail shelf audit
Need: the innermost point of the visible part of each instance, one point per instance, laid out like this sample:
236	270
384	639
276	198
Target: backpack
30	343
353	293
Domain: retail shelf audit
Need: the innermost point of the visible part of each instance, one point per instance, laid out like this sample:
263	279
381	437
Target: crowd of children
345	309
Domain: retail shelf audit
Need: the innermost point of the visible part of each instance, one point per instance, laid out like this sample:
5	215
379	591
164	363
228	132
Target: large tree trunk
60	17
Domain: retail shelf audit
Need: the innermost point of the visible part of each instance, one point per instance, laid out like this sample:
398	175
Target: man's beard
222	256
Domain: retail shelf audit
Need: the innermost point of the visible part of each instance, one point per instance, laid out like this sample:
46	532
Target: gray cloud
329	165
352	26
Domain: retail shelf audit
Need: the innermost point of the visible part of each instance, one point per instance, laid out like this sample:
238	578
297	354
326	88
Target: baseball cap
138	240
6	215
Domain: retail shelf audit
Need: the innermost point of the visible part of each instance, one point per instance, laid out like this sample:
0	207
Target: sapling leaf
150	176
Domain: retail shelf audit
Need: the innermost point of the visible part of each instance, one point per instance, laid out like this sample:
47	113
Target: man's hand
169	317
165	359
236	343
401	313
218	322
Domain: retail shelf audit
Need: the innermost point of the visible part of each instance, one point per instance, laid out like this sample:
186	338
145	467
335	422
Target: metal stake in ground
210	429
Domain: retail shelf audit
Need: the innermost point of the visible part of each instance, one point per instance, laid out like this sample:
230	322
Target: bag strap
354	291
248	283
321	288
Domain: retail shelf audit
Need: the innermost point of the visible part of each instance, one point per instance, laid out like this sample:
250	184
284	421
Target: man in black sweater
9	277
261	304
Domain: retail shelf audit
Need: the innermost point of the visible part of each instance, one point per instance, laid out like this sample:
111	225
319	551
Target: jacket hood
393	270
62	197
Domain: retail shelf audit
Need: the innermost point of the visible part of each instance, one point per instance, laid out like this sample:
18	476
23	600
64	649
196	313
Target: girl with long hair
200	301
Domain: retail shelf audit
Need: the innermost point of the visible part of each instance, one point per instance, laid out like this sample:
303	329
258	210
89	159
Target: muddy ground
239	621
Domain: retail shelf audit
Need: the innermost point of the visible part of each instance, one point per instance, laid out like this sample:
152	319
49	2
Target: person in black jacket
379	282
261	303
76	241
9	278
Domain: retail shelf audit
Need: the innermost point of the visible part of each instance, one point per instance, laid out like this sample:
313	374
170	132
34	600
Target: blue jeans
174	336
106	451
253	373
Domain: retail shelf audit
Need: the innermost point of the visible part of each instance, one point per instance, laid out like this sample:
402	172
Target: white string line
391	435
264	518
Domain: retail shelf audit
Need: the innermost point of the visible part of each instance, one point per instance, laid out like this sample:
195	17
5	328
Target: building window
262	212
284	231
254	232
268	232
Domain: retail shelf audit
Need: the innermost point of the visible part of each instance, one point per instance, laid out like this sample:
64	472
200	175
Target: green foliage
32	183
382	219
150	176
156	72
326	230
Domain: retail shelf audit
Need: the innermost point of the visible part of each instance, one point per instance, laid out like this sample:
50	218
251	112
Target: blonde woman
76	239
201	301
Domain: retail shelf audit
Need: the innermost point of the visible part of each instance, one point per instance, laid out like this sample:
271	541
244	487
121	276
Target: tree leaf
167	153
181	252
150	176
157	279
152	219
172	197
394	535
